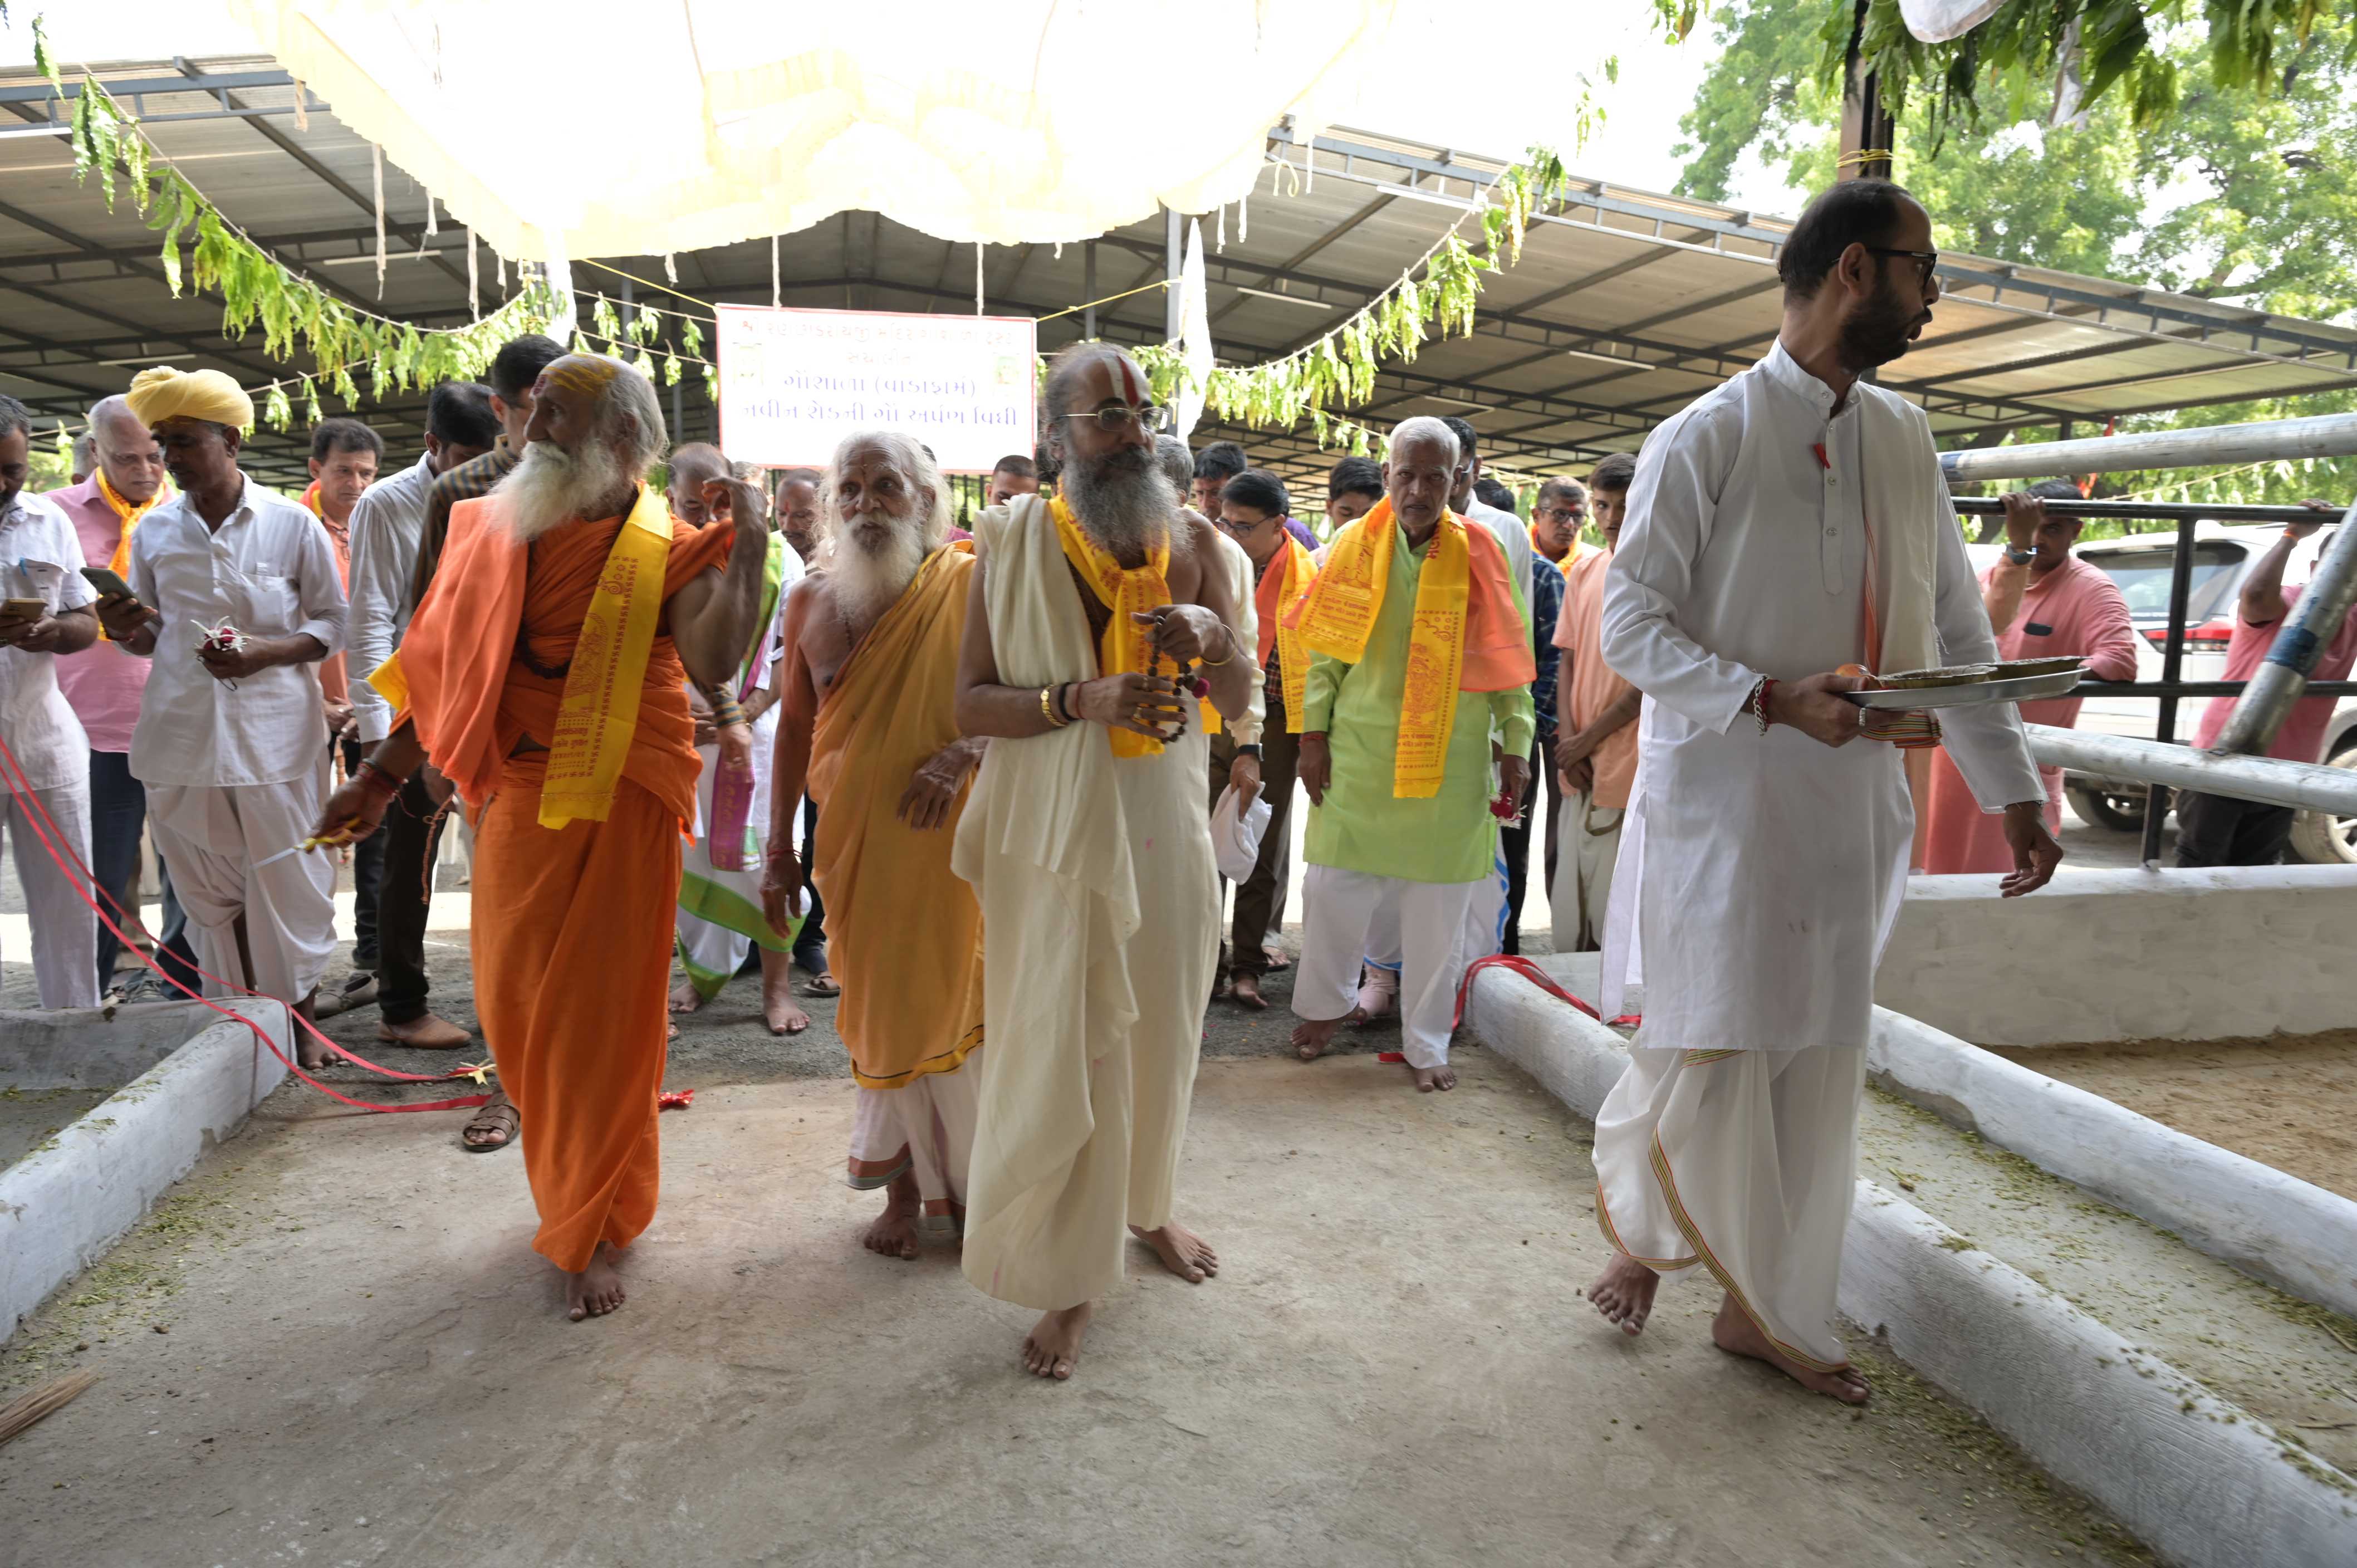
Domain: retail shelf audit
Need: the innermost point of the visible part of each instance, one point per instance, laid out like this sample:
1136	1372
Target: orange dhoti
573	923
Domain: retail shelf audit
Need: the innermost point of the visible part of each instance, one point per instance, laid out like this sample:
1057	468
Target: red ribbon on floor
53	841
675	1099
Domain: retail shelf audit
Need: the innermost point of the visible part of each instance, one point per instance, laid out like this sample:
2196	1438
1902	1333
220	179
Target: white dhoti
217	840
924	1128
720	917
1418	930
1101	904
65	931
1744	1162
1587	842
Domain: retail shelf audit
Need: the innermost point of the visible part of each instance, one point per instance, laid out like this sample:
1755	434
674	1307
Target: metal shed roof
1625	305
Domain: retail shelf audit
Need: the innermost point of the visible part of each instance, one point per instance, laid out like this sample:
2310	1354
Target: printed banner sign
794	384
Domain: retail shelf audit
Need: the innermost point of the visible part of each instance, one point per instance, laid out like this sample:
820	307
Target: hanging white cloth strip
748	120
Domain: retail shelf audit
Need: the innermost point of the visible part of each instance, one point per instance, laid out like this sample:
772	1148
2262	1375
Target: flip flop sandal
822	985
497	1115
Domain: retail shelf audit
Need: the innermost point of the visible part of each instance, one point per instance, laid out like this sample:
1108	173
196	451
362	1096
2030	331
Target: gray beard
1126	508
870	579
553	486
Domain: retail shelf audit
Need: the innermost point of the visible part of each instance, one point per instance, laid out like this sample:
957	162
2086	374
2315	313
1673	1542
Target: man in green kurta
1418	652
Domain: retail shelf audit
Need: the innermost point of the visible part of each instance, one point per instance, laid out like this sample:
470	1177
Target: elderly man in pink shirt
103	683
2043	602
2218	830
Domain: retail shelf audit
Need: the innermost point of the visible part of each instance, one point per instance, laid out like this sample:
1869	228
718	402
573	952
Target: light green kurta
1450	837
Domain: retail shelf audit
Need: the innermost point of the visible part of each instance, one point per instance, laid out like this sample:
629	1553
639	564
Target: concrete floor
332	1345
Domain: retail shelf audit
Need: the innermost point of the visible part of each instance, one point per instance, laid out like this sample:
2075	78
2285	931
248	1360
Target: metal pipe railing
2164	511
2323	436
2313	622
2303	786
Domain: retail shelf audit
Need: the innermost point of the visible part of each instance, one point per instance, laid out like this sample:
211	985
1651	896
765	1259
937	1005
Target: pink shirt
1579	629
101	682
2301	738
2076	608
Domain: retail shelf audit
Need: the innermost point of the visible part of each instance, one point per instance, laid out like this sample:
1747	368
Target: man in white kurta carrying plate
1789	524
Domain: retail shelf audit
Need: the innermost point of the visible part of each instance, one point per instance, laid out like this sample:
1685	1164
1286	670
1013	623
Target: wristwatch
2019	557
1248	750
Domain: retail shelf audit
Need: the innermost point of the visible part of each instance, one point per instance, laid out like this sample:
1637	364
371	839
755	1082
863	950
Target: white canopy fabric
600	128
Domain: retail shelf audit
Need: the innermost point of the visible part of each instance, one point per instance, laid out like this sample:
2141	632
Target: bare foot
1734	1332
595	1290
424	1033
311	1053
1428	1079
1182	1251
778	1009
1052	1349
1246	992
894	1234
683	998
1376	991
1276	958
1313	1037
1623	1294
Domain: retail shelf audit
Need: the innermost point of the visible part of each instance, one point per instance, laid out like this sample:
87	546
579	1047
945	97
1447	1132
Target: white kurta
386	522
1758	874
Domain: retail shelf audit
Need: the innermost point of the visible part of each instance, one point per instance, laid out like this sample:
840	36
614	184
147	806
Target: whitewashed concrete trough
188	1077
2202	1482
2127	955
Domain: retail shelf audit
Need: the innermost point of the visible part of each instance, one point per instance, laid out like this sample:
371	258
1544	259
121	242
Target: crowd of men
968	782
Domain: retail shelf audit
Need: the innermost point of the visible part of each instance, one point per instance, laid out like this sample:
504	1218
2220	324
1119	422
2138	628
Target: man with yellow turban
235	588
1415	630
545	676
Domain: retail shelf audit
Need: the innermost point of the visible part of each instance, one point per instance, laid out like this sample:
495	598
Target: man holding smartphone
228	738
47	613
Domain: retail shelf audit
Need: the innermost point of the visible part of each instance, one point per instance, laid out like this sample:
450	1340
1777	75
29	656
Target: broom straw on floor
51	1396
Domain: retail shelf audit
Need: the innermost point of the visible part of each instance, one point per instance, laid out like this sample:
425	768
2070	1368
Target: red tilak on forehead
1130	391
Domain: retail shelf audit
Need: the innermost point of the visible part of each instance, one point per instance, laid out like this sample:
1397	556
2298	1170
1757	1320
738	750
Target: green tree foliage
2240	195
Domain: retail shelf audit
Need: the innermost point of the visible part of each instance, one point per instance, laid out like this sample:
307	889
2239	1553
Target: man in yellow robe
544	675
868	728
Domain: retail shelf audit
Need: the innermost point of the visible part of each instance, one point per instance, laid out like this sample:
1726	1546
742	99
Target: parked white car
2141	565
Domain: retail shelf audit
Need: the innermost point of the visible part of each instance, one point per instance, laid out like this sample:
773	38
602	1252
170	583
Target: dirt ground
2290	1101
331	1343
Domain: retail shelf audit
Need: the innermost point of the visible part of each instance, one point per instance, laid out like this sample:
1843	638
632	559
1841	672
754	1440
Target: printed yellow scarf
1280	588
600	715
1341	614
1126	647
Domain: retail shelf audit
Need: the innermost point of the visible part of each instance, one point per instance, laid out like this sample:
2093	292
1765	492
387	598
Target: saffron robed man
1088	846
1783	530
542	675
868	694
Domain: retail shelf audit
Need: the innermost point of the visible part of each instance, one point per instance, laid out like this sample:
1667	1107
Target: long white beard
870	577
553	486
1126	504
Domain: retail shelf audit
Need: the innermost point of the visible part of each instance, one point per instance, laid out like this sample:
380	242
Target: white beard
871	578
553	486
1126	505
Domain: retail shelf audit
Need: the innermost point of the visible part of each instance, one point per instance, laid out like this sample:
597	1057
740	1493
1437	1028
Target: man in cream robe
1088	842
869	692
1786	525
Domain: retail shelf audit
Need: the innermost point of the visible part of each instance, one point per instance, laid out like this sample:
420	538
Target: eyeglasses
1926	261
1115	418
1234	530
1562	513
